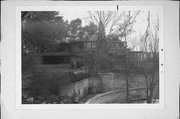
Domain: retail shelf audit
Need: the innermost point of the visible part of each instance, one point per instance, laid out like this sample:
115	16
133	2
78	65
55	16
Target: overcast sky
139	27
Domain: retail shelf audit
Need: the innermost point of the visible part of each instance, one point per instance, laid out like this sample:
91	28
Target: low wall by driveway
111	87
82	88
111	81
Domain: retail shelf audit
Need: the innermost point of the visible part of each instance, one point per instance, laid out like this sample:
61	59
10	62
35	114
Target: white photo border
19	105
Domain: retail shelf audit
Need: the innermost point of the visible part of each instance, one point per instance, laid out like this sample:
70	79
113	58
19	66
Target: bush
77	76
46	87
45	84
28	62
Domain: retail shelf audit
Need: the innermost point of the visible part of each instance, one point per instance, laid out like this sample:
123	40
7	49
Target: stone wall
119	82
76	90
94	85
81	88
111	81
137	81
107	82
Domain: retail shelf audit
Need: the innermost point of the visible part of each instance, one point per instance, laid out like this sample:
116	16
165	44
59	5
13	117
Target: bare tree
149	44
120	24
116	22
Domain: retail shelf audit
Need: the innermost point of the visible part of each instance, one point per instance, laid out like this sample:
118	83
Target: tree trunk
127	87
151	92
147	90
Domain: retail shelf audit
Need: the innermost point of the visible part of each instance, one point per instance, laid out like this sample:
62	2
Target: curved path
114	96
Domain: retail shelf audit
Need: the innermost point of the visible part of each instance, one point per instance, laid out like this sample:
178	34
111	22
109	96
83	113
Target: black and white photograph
75	60
90	57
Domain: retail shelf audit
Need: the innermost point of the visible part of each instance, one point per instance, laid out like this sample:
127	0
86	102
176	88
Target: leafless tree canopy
116	22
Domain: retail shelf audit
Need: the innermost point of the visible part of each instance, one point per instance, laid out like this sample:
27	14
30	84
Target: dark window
55	59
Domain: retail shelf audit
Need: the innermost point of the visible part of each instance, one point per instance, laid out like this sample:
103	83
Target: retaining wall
111	81
106	83
82	88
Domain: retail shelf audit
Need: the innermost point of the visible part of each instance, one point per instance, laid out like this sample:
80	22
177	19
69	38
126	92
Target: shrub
45	84
46	87
29	61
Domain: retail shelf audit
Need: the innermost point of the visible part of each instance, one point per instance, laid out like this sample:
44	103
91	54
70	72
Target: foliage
77	32
41	31
75	26
29	61
91	29
44	84
47	86
72	76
